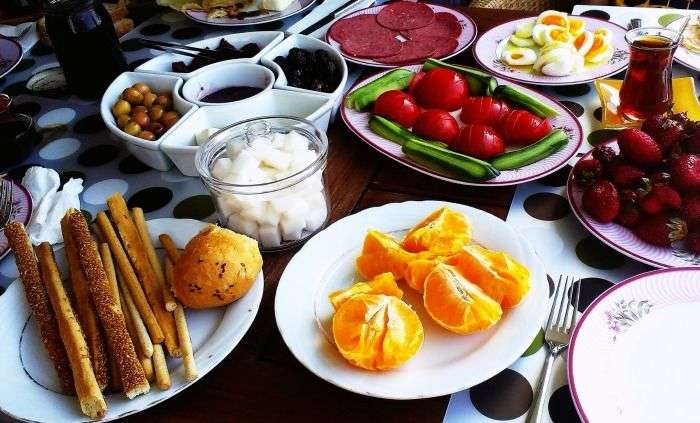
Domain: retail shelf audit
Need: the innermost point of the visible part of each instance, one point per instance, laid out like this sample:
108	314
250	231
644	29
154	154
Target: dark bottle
87	47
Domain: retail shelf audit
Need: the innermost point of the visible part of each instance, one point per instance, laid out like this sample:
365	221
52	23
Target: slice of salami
411	52
371	47
443	45
360	24
444	25
403	15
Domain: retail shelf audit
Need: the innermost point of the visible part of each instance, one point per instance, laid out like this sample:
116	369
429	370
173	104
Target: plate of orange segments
412	300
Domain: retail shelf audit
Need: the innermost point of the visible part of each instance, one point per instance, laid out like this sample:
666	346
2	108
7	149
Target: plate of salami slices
401	33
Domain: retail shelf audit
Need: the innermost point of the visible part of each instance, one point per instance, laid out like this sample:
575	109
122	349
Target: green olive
164	100
138	109
133	96
132	128
122	120
157	128
141	87
169	118
121	107
156	112
141	118
148	99
147	135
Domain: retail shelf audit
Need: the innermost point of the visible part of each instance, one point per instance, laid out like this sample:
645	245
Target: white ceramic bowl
180	146
306	43
146	151
223	75
266	40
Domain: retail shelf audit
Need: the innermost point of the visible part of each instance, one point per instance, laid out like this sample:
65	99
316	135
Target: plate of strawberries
640	192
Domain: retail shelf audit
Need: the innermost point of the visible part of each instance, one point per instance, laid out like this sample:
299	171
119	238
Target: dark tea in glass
647	89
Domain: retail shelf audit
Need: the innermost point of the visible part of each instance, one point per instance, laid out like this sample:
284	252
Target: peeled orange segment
457	304
444	231
380	254
383	283
495	272
377	332
418	269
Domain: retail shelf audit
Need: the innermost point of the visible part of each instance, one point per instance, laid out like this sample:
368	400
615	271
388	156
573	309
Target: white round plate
30	388
682	55
446	362
489	44
21	210
358	122
634	354
465	39
622	239
295	7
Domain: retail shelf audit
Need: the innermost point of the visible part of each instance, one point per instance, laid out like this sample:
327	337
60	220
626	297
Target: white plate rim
255	20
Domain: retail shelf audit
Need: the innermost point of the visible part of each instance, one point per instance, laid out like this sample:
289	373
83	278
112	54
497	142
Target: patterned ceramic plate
446	362
682	55
295	7
30	380
623	239
632	357
10	55
358	122
21	211
487	53
464	40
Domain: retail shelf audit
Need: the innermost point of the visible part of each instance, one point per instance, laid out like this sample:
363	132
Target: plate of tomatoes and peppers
462	125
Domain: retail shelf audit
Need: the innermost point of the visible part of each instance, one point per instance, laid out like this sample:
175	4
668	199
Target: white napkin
49	204
29	39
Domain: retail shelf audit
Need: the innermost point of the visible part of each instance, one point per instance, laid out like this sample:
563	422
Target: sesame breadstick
92	403
118	340
39	303
160	368
170	248
108	264
183	333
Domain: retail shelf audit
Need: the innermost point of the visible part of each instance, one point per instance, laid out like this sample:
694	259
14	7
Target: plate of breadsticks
126	314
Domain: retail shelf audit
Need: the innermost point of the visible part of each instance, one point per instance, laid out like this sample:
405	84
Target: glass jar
244	167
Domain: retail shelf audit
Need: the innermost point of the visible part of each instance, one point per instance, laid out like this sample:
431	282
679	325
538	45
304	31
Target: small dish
266	40
224	75
181	147
146	151
307	43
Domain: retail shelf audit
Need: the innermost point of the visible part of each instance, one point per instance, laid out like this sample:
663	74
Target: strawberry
629	217
602	201
639	147
662	198
661	230
693	146
685	173
604	154
587	171
691	211
628	197
666	132
624	174
692	242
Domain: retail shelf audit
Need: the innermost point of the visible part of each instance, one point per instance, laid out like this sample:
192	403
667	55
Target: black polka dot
17	173
198	207
187	33
88	96
269	26
591	288
558	178
40	49
67	175
87	215
131	165
2	290
89	125
150	199
575	90
16	89
31	108
132	44
503	397
546	206
550	283
575	108
561	406
23	65
599	14
136	63
601	136
598	114
594	253
98	155
155	29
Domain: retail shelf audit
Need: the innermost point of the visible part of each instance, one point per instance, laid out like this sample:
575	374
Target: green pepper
480	82
398	79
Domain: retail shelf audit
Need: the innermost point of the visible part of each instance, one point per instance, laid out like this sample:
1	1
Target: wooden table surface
260	381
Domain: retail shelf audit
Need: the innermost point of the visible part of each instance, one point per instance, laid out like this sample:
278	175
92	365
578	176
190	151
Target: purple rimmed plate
623	239
358	122
465	39
489	43
632	357
295	7
21	211
10	55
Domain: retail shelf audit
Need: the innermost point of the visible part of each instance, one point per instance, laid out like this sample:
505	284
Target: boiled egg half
519	57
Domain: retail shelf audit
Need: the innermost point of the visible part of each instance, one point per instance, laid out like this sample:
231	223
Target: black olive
250	50
316	85
297	73
295	82
331	68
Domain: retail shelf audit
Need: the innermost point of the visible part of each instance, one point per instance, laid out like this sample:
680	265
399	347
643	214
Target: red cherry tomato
484	110
397	106
441	89
479	141
438	125
520	127
414	81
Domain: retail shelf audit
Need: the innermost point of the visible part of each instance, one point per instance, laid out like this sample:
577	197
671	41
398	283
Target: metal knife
328	18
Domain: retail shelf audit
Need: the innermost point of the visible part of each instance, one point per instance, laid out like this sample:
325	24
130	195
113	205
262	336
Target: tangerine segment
457	304
381	253
498	274
383	283
444	231
418	269
377	332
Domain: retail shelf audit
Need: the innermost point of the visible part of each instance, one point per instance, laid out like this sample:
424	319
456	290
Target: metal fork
557	336
5	202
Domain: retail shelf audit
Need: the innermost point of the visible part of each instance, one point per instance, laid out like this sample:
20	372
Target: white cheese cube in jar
292	226
294	142
244	226
223	167
270	236
203	135
315	218
245	162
